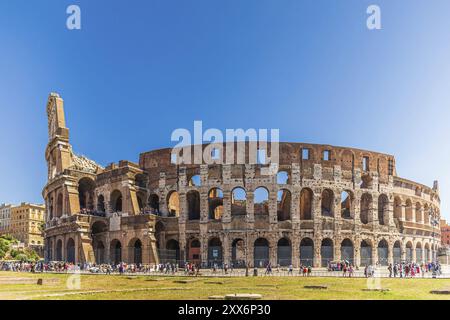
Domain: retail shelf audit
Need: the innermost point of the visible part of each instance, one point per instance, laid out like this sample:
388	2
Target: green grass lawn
92	287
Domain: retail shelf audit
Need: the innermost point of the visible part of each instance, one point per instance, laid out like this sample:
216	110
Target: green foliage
6	252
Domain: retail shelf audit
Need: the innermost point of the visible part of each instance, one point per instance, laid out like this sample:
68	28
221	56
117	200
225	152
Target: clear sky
137	70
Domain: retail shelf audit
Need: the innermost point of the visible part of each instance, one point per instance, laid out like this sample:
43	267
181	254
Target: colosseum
323	204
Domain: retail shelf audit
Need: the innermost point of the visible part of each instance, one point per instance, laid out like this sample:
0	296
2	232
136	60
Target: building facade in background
445	233
5	218
26	224
323	204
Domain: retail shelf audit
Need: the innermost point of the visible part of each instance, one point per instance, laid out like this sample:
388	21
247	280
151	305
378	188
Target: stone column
391	252
250	206
295	243
273	253
317	256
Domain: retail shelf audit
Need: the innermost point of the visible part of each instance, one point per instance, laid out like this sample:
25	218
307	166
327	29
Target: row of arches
284	204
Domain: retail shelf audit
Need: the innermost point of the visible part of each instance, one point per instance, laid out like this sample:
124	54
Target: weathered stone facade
325	203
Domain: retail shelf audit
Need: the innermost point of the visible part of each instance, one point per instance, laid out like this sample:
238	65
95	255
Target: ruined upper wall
349	159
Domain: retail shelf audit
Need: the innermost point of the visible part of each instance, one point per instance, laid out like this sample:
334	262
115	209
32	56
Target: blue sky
137	70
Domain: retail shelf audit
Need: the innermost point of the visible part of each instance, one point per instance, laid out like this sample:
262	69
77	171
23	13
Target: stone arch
141	199
101	207
59	247
116	201
215	204
194	251
238	201
153	203
284	199
195	181
172	251
408	210
115	250
383	209
366	252
238	251
326	251
70	249
366	208
283	177
193	204
409	252
306	204
99	251
347	204
427	257
284	252
383	252
307	252
59	205
347	251
419	257
261	252
397	208
173	204
397	251
86	188
215	251
327	203
135	251
140	180
419	213
261	201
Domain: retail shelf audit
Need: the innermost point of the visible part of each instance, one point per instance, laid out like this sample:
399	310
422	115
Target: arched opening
284	252
282	177
194	254
195	181
327	203
383	252
215	204
419	213
326	251
366	208
409	252
193	202
397	208
306	252
419	258
261	201
347	251
306	201
99	252
214	252
238	253
59	206
141	201
59	245
135	251
238	202
383	209
172	252
116	251
408	210
51	209
86	187
366	253
261	252
397	252
116	201
153	203
140	180
173	204
70	251
284	199
427	257
346	204
101	204
426	218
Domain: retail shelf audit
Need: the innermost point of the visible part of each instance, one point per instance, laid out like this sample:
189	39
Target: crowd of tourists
401	270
